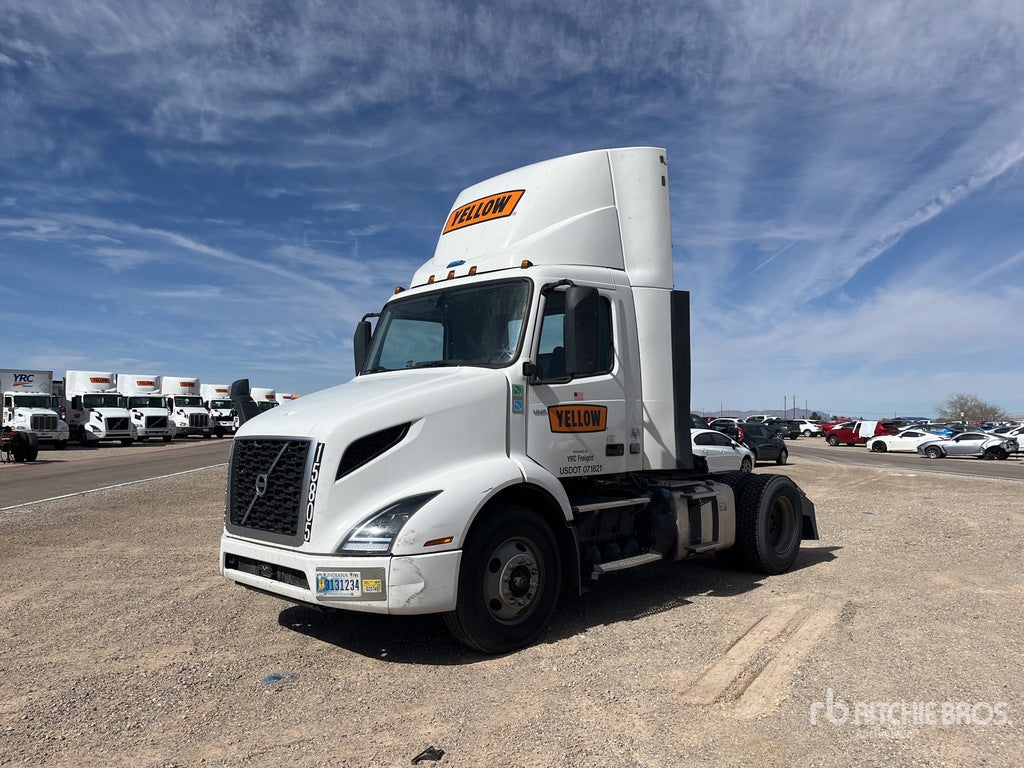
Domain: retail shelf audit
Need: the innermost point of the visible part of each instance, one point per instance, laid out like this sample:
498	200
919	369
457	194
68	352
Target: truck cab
217	400
146	405
185	408
95	409
518	424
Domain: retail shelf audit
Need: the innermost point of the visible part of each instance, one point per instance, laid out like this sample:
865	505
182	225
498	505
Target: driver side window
551	351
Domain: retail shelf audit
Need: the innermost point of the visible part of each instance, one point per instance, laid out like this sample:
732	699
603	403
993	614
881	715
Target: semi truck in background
518	424
217	400
95	409
283	397
264	397
146	405
29	407
185	406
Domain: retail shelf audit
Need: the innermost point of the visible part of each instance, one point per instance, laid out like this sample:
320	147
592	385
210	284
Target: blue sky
223	189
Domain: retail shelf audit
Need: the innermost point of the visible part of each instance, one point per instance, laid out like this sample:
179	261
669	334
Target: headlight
376	535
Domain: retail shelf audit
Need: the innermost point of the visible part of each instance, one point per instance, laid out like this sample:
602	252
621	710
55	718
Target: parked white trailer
147	406
217	400
95	409
28	406
185	406
518	425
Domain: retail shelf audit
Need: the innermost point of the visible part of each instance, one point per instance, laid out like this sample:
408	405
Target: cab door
581	426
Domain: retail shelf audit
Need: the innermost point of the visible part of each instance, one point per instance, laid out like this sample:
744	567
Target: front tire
833	440
782	458
746	465
509	581
933	452
878	447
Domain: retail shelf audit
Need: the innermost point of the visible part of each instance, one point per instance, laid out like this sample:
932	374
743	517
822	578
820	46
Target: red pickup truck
857	432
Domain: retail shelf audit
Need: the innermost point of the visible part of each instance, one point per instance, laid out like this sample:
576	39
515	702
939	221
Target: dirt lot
897	640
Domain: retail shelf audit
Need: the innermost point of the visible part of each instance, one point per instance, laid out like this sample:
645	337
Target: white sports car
907	441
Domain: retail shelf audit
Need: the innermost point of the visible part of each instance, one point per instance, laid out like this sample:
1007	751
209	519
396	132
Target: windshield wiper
436	364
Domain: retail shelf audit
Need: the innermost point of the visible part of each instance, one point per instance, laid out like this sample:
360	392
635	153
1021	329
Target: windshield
146	402
221	404
32	401
103	401
479	325
188	401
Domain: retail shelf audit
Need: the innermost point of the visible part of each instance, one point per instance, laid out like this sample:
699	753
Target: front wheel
782	458
833	440
509	581
878	447
746	465
933	452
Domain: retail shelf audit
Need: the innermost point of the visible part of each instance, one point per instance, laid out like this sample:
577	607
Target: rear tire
768	524
746	465
807	433
783	457
509	581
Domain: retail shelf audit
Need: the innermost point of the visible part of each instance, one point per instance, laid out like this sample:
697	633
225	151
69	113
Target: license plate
339	584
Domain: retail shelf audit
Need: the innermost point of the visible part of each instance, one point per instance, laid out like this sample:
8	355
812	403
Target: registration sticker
339	584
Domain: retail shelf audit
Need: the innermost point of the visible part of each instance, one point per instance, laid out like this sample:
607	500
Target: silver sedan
979	444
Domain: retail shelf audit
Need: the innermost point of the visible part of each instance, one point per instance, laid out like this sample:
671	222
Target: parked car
720	452
936	428
857	432
716	423
778	427
978	444
807	427
1017	433
907	441
760	440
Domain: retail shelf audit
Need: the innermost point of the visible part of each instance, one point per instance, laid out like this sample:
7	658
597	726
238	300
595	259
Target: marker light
430	279
451	274
472	270
526	263
399	289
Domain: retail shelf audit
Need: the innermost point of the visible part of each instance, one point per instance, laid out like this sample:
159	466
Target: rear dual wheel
769	522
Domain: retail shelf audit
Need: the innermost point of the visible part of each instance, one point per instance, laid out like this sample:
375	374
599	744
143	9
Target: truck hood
381	398
450	418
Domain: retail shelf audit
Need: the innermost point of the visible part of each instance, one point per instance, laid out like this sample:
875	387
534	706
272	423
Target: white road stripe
109	487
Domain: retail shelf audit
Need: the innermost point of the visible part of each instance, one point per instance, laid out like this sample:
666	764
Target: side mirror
361	344
581	330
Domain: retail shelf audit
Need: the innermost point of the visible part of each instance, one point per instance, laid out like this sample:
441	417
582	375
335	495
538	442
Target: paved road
76	470
1010	469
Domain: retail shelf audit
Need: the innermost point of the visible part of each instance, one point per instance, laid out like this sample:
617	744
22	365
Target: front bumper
391	584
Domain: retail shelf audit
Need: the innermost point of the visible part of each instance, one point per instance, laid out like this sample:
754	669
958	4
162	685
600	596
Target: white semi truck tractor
518	424
264	397
217	400
146	405
185	406
95	409
28	408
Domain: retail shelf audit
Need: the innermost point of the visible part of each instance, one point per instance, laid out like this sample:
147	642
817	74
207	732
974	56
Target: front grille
198	420
44	423
120	424
267	485
156	422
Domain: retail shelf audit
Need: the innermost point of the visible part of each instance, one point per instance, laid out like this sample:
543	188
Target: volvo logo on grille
261	483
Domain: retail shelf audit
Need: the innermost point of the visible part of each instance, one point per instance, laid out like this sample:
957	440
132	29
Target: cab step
624	564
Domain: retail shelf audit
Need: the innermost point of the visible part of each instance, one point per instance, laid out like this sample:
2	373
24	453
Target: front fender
465	490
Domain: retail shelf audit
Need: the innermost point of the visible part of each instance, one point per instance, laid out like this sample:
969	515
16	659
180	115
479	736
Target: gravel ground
121	645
